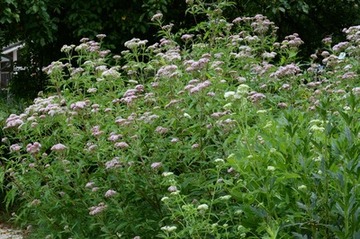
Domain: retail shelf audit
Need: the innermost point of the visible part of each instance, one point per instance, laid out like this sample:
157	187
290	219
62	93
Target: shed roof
12	47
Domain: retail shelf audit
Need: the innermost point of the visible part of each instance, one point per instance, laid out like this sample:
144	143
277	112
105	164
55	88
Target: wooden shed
9	55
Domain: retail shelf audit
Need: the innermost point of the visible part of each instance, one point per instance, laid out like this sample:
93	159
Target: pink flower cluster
148	117
114	163
168	71
261	24
55	66
114	137
121	145
97	209
172	54
192	87
33	148
187	37
255	96
127	121
112	72
131	94
87	45
95	131
292	41
161	130
156	165
58	147
109	193
217	115
353	34
192	65
13	121
78	105
135	43
288	70
15	148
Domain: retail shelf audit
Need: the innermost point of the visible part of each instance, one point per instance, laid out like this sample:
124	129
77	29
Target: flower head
203	207
15	148
110	193
58	147
156	165
33	148
157	17
97	209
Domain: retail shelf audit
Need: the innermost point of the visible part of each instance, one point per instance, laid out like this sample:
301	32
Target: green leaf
2	176
281	9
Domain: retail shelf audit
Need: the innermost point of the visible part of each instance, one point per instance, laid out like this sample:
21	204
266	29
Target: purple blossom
111	73
139	88
255	97
187	37
122	145
32	165
33	148
195	146
287	70
76	71
172	189
135	43
97	209
157	17
90	184
100	36
198	87
192	65
340	46
156	165
217	115
114	137
121	121
161	130
92	90
293	41
91	147
282	105
174	140
109	193
114	163
95	131
78	105
15	147
168	71
13	121
349	75
356	90
58	147
55	66
172	102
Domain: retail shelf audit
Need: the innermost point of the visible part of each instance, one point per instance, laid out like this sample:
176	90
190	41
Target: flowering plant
223	135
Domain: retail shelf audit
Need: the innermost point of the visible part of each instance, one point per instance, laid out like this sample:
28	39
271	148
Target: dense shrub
221	136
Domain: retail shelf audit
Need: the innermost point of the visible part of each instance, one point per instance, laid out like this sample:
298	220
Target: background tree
312	19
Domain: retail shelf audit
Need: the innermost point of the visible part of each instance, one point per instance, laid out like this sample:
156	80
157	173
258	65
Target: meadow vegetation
217	131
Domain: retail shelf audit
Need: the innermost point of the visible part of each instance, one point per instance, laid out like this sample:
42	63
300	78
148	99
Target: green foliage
312	19
220	136
46	25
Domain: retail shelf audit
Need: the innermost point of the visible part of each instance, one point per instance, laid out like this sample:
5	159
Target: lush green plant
8	105
221	136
